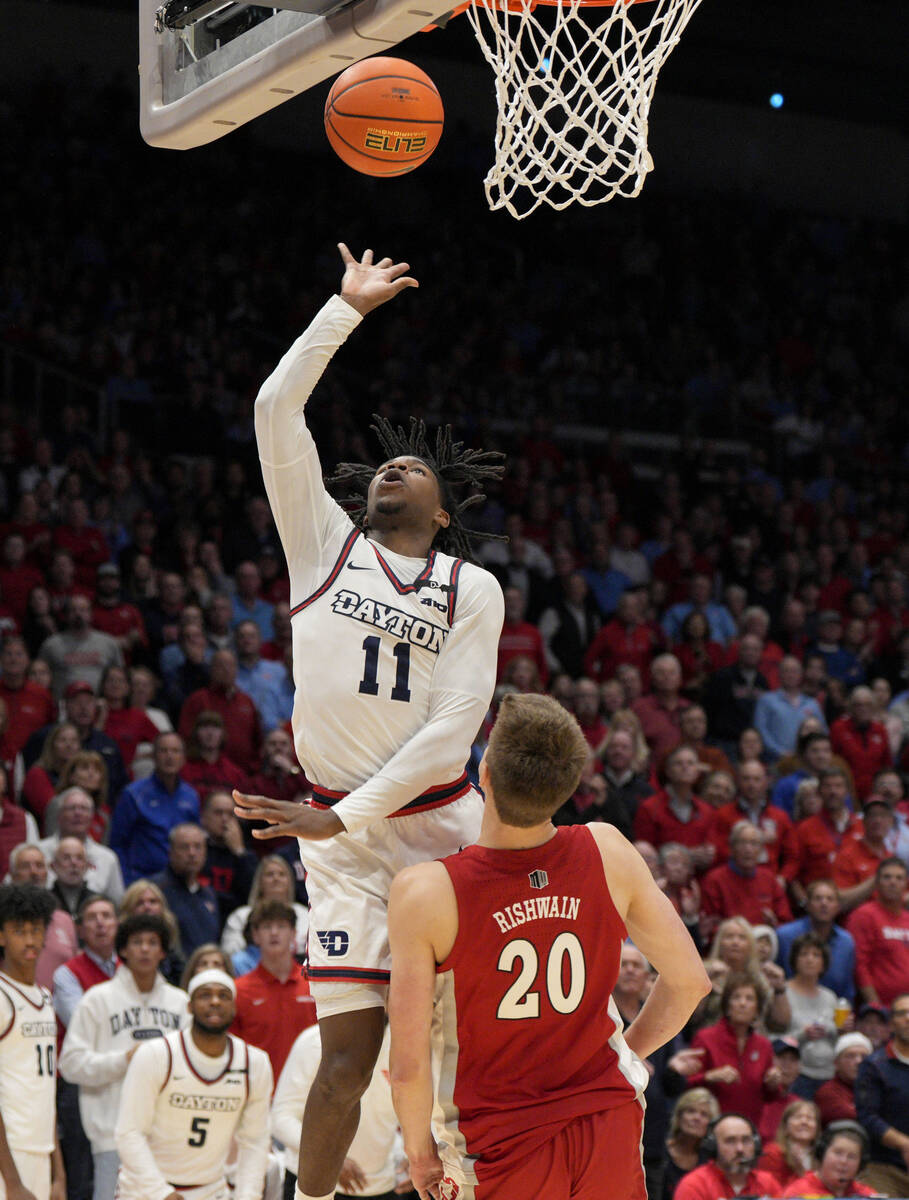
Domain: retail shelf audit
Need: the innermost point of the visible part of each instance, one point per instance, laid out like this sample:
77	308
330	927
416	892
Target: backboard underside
194	88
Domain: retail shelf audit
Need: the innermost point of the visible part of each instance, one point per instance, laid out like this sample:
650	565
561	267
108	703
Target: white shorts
34	1171
348	878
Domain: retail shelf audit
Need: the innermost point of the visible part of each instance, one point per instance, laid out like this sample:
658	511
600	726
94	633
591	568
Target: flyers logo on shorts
335	942
448	1189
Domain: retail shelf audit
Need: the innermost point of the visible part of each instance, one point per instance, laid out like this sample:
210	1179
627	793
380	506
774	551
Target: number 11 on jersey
369	684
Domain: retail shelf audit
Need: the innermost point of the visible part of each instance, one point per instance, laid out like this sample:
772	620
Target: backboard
209	66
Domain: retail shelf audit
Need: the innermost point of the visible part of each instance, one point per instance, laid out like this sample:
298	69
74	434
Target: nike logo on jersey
354	567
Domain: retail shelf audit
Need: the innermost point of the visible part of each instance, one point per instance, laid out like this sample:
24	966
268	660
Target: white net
574	85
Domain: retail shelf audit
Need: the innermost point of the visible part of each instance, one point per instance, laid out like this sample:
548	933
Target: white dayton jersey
394	657
28	1080
180	1111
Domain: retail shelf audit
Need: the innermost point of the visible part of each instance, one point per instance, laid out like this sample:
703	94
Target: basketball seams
356	116
424	82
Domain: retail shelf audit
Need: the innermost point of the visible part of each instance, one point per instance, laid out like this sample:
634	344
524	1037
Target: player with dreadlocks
394	649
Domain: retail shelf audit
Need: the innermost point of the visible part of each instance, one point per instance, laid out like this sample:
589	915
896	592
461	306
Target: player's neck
497	836
211	1044
411	543
19	972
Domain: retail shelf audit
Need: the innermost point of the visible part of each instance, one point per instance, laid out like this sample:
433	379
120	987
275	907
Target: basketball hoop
574	83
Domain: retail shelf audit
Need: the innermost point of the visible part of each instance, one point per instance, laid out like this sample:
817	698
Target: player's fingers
281	829
366	260
397	269
346	254
384	263
400	284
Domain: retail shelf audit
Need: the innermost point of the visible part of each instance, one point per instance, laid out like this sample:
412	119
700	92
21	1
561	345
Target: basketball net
574	83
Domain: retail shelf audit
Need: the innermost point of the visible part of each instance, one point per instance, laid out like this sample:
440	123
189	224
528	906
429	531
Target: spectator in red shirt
821	836
86	544
836	1097
282	637
128	726
861	741
862	852
880	928
740	887
693	733
587	711
842	1150
781	845
520	637
737	1061
29	706
274	1004
675	813
43	777
207	767
17	577
698	655
735	1145
281	778
627	638
791	1153
660	710
241	721
115	616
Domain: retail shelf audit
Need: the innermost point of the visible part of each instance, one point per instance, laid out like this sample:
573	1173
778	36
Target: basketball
383	116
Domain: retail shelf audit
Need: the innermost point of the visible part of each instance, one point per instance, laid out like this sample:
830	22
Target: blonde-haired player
186	1097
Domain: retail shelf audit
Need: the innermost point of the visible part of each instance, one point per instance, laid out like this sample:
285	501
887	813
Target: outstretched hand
287	818
367	284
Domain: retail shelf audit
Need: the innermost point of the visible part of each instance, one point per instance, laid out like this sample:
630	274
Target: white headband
212	975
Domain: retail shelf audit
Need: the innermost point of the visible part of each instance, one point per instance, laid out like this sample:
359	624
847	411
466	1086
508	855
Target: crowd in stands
732	634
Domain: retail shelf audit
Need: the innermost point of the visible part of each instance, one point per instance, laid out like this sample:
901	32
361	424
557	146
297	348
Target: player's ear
442	519
483	773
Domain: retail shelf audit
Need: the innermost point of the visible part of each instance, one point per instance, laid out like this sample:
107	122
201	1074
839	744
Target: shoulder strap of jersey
453	588
333	573
170	1065
12	1012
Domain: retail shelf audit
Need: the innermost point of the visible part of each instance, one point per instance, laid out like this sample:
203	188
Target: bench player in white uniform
394	648
185	1097
31	1166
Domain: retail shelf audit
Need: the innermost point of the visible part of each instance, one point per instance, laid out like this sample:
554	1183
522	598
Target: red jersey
528	986
813	1187
656	822
881	948
819	844
29	709
866	750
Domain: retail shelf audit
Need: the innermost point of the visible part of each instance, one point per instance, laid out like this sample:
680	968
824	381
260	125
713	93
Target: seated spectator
70	867
821	836
755	622
863	852
731	693
79	653
282	638
29	707
873	1021
791	1154
114	615
766	943
229	867
720	624
161	613
840	662
41	780
627	639
143	688
813	1009
192	902
675	813
126	725
814	754
693	733
143	896
862	741
207	767
248	604
280	777
258	677
718	789
27	865
569	626
694	1111
74	821
882	1105
520	637
880	927
787	1063
734	945
520	675
16	825
659	711
698	655
842	1151
278	702
835	1097
737	1061
207	957
82	711
149	808
241	721
274	1004
273	880
682	887
86	770
778	714
750	748
17	577
741	886
822	906
780	850
623	787
219	617
587	711
191	672
732	1147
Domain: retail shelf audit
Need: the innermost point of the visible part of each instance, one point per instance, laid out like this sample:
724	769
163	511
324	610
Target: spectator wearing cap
742	887
29	706
778	714
258	677
836	1097
880	927
207	766
719	619
822	836
862	741
149	808
822	904
787	1064
192	901
242	724
79	653
660	710
248	604
882	1105
114	615
781	844
862	852
873	1021
675	813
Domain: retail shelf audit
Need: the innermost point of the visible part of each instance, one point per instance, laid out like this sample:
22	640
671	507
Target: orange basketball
383	116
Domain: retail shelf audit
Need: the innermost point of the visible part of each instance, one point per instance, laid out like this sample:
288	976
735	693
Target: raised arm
304	513
659	933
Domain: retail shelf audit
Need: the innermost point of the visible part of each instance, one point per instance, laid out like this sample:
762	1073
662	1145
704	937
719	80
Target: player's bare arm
422	926
659	933
367	284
